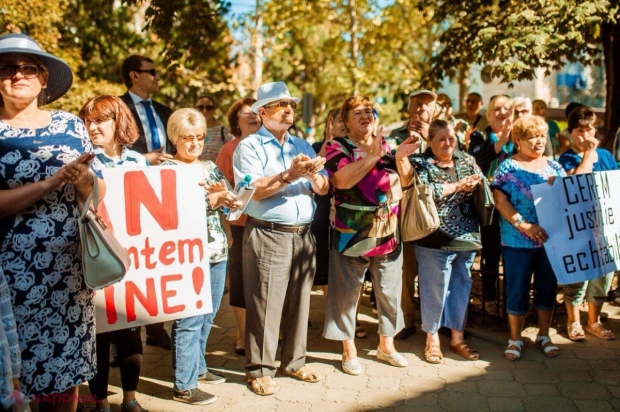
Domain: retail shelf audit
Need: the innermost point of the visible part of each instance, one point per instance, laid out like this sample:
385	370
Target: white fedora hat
60	76
270	92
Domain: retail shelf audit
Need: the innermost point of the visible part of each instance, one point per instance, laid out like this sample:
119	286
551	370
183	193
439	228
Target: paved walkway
585	377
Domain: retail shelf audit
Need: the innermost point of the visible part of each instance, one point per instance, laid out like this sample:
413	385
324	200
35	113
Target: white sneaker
394	359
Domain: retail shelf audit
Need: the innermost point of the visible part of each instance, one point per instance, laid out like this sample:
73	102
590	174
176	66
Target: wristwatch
519	221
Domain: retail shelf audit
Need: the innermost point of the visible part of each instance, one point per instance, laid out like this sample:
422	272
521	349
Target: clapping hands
304	166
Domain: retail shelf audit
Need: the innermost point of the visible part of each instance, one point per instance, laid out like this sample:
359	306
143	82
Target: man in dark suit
141	79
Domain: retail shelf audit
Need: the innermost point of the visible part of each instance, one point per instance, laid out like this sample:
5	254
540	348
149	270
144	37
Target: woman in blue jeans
522	237
445	256
187	129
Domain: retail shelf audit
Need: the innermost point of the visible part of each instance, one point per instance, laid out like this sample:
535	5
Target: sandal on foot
305	373
394	359
548	348
433	354
263	386
465	351
600	332
127	407
514	352
352	366
360	332
575	331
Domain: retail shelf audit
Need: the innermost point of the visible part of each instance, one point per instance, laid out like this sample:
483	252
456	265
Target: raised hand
407	148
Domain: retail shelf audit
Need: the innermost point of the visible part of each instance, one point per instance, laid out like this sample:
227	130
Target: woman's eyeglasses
282	105
29	71
189	139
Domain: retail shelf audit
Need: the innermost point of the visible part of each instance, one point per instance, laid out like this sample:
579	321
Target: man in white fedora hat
278	246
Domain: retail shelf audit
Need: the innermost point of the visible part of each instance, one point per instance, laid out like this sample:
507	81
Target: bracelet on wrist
520	220
281	174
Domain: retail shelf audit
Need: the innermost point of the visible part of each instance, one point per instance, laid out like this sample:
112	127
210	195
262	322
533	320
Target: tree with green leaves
519	36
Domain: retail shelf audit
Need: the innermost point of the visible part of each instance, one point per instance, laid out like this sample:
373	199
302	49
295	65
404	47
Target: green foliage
518	36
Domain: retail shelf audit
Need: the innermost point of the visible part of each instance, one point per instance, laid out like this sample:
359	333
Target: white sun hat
270	92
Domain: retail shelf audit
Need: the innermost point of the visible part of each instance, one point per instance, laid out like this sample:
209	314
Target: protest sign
581	215
158	215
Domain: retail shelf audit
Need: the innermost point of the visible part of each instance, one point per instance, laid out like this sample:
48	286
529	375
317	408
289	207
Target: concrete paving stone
423	371
340	395
382	399
408	408
344	381
595	354
460	372
422	400
255	403
606	377
286	406
535	376
547	389
455	401
523	364
607	364
549	404
466	386
500	388
582	376
598	406
424	385
615	404
505	404
323	406
566	365
584	390
614	390
499	375
384	370
301	392
227	390
383	383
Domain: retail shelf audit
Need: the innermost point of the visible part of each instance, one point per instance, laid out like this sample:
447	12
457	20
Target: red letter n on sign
139	191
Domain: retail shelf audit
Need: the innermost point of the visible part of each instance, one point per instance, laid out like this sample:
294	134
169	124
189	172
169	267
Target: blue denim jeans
519	265
189	336
445	285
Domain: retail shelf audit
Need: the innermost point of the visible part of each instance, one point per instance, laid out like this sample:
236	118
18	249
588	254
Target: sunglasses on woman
189	138
29	71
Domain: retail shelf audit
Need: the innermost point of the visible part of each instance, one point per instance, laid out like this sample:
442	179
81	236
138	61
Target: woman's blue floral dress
54	310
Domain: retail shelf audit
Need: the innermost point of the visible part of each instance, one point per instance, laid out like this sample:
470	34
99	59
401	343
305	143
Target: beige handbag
104	260
418	213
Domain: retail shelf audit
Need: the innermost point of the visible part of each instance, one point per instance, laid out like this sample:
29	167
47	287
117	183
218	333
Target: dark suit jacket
162	111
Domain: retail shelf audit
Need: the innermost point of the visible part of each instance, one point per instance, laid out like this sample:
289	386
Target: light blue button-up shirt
260	155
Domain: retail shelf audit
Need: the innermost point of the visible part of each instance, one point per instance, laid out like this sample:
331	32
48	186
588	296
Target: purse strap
416	180
93	193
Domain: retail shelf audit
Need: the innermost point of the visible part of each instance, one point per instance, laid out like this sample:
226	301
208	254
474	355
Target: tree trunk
611	48
354	45
257	47
464	84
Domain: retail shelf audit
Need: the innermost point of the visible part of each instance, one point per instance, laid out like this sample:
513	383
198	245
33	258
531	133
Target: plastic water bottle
240	186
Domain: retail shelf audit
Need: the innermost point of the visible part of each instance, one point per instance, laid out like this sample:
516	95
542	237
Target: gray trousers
346	276
278	271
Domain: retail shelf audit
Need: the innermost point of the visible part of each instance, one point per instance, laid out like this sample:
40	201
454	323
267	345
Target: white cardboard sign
581	214
158	215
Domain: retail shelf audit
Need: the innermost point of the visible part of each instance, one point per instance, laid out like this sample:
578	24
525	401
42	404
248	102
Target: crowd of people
325	215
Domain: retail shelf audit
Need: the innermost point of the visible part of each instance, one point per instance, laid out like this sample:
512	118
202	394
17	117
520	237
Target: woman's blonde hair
528	126
183	121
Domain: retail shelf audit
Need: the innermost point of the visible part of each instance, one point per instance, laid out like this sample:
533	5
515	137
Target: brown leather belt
299	229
